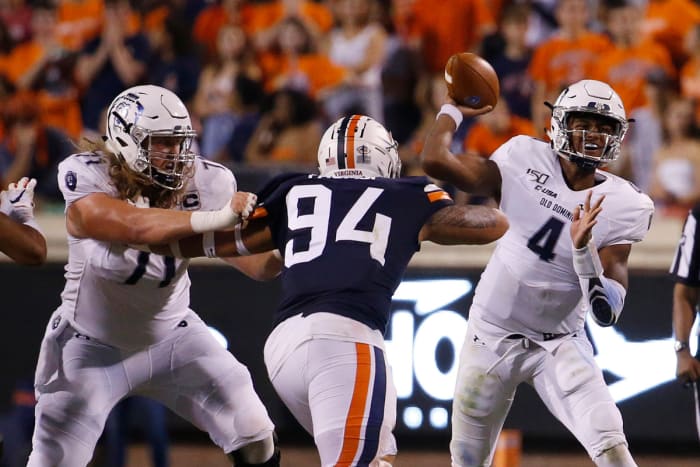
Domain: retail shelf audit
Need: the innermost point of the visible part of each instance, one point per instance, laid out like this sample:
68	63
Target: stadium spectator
112	62
675	183
358	44
211	19
626	66
668	22
493	129
566	57
44	66
213	102
294	62
79	21
174	63
31	149
456	26
510	57
690	73
315	16
16	15
287	132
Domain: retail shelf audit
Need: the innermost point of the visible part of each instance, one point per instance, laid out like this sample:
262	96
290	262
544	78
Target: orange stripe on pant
356	413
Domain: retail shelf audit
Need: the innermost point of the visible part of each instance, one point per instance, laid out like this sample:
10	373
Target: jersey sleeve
507	153
272	203
685	267
436	196
216	183
632	221
80	175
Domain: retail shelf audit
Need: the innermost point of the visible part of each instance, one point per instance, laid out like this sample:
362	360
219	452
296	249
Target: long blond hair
129	184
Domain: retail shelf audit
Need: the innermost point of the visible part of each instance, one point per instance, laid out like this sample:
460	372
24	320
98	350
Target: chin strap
606	296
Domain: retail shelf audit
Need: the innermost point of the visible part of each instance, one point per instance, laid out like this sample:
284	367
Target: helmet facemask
584	146
167	157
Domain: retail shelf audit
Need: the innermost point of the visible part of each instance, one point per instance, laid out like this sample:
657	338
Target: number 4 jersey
118	295
529	283
346	242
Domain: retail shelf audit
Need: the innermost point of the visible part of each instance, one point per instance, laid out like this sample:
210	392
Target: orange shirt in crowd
79	21
269	14
668	22
482	141
210	20
626	69
558	61
446	28
58	110
315	70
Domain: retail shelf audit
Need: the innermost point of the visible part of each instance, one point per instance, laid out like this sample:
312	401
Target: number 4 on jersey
542	243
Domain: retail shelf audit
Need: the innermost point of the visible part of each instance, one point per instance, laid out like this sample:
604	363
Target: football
471	80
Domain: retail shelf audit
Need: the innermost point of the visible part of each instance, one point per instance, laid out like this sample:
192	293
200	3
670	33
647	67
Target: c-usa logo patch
71	180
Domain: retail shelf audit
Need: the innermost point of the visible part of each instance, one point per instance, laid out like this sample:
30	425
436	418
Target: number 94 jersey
529	282
346	242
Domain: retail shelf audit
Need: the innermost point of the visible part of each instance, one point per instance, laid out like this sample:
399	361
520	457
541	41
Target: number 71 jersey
346	242
530	283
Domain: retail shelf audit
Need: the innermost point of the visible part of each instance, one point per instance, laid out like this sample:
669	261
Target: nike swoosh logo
13	201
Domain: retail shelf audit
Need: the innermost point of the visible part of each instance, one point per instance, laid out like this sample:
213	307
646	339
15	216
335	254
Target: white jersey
118	295
529	285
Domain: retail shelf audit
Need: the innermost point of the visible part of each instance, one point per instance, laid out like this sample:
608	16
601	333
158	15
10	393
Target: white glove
226	217
17	201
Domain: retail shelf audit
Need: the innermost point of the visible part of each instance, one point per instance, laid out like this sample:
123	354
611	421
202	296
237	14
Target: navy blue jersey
686	262
346	242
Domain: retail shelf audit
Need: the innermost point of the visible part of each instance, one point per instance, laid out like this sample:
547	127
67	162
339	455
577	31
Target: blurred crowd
263	78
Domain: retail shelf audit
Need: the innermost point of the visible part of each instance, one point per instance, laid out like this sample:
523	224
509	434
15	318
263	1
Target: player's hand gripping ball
471	81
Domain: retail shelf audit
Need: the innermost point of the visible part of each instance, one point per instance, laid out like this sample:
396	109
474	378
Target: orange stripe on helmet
350	140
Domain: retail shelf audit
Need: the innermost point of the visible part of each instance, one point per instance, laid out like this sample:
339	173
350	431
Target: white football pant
79	381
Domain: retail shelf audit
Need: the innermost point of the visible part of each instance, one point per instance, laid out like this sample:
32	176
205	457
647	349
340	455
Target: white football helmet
588	97
137	116
358	145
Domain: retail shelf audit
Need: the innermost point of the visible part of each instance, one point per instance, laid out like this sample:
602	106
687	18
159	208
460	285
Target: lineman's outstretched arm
454	225
24	244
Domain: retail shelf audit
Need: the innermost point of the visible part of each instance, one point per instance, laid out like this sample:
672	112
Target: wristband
587	262
208	244
240	247
175	248
452	112
208	221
